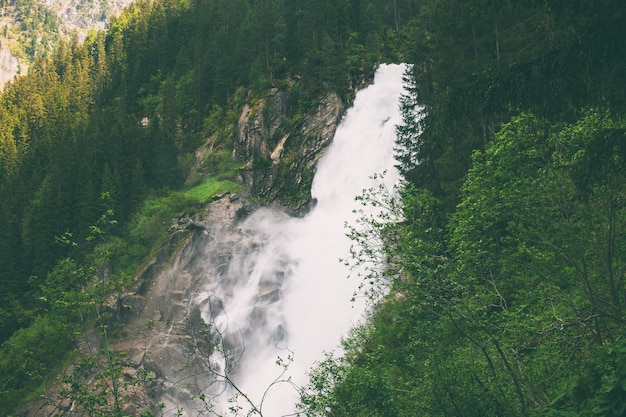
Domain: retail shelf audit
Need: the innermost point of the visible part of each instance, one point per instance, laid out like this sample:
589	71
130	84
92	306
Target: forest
97	145
503	287
502	292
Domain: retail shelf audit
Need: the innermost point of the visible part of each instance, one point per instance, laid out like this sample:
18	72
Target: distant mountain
31	28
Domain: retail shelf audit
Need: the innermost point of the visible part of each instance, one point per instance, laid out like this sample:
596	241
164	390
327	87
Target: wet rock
264	142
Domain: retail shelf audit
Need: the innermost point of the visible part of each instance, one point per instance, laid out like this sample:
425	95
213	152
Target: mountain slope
32	28
106	140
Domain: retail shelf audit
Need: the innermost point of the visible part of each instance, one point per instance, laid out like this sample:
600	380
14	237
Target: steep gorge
159	335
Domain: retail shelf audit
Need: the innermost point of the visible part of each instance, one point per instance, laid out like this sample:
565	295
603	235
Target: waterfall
284	293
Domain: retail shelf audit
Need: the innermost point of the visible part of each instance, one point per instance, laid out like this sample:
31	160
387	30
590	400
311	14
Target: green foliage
598	389
318	397
504	268
71	300
153	221
113	123
96	383
477	63
513	305
28	357
371	244
210	188
505	274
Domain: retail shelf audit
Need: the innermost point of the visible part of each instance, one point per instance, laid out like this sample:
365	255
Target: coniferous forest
503	290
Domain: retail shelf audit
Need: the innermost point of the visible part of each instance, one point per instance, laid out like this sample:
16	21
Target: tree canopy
99	126
503	292
505	275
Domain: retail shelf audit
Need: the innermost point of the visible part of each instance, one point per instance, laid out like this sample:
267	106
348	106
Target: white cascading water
285	292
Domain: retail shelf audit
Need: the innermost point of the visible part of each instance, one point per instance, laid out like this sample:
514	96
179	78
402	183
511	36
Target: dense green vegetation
97	145
506	273
504	279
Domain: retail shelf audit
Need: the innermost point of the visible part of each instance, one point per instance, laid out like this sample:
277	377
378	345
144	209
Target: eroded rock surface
280	164
161	340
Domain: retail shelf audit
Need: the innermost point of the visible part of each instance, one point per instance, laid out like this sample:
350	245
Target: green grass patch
210	188
152	223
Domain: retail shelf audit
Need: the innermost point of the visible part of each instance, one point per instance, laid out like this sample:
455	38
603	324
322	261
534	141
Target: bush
31	354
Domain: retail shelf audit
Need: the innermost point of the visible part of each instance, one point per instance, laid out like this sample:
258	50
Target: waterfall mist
284	292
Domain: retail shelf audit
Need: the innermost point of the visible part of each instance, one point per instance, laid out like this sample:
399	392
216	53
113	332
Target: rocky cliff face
160	340
82	15
10	66
164	335
163	340
279	163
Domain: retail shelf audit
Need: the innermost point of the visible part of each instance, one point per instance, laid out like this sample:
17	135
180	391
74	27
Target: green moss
210	188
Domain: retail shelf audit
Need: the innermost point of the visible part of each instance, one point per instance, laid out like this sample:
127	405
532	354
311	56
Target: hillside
32	28
106	140
499	291
506	277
